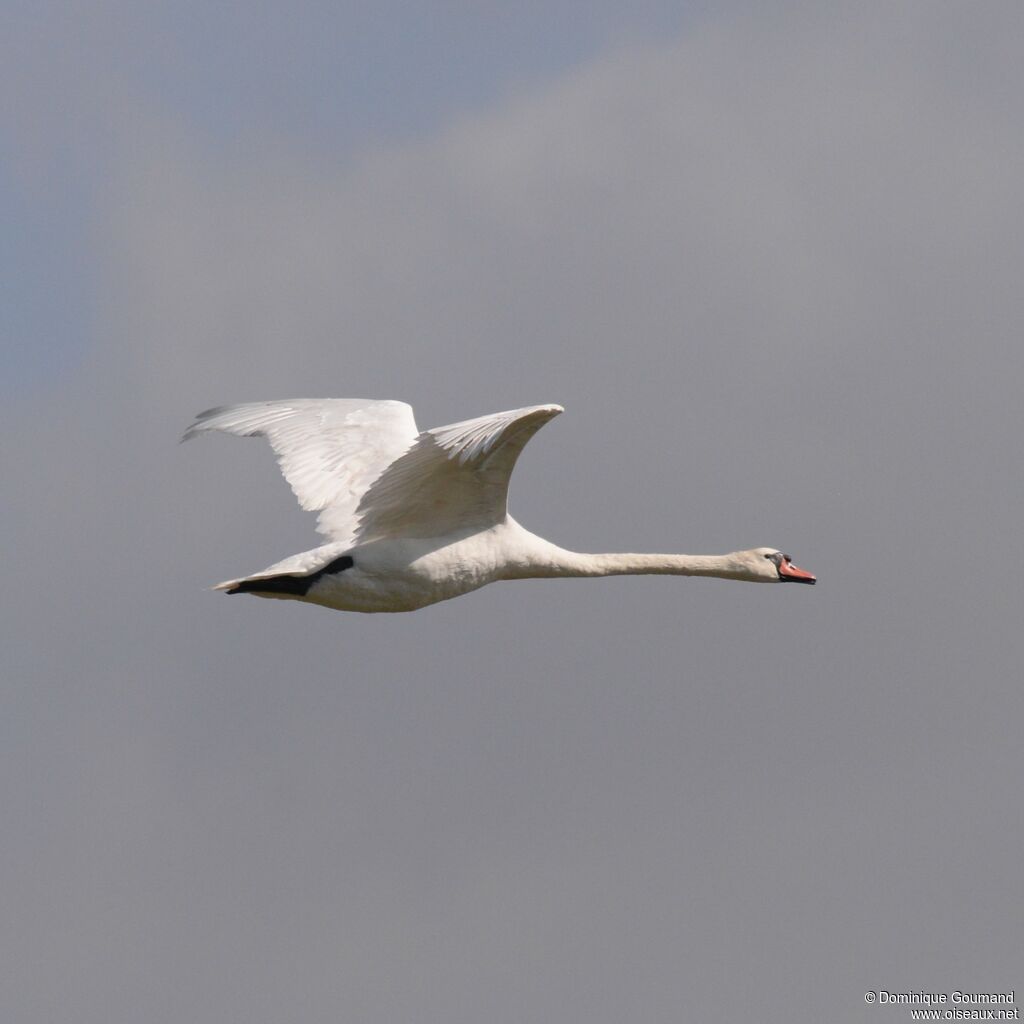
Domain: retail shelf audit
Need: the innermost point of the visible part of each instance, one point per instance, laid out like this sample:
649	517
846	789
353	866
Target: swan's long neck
546	560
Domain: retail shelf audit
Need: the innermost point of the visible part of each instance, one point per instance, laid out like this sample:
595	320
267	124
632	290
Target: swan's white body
415	518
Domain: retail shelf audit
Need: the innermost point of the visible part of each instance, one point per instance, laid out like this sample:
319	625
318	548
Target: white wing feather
453	479
329	450
362	466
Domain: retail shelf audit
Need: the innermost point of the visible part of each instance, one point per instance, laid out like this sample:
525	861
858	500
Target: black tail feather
298	585
287	584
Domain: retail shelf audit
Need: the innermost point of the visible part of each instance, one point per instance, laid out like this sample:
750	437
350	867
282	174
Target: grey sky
771	265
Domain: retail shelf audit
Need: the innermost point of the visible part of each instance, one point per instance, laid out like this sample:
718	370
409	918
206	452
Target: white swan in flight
413	518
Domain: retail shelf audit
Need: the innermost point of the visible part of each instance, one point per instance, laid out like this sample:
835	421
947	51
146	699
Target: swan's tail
278	586
273	582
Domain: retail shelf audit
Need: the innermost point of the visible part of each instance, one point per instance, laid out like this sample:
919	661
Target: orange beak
789	573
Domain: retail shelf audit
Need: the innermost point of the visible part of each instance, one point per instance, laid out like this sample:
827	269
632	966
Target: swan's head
772	566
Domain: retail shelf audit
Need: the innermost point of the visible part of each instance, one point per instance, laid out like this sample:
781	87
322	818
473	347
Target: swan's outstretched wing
329	450
453	478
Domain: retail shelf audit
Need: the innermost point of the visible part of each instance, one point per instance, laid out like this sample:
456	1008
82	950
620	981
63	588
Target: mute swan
413	518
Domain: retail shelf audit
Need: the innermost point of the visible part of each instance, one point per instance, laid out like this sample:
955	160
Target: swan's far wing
329	450
452	478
